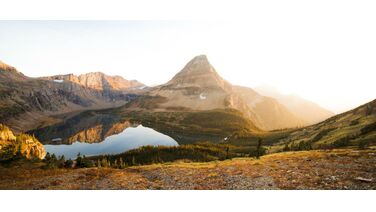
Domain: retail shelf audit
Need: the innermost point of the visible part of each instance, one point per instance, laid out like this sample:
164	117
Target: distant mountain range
306	110
28	103
98	81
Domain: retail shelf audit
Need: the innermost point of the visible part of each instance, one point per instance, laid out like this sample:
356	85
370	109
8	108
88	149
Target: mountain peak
198	72
199	64
201	57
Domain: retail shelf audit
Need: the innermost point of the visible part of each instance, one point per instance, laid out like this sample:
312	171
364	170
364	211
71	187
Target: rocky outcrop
21	145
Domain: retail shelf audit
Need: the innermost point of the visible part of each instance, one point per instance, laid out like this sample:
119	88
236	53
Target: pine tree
79	160
61	162
286	148
47	157
122	165
53	157
133	160
260	150
104	162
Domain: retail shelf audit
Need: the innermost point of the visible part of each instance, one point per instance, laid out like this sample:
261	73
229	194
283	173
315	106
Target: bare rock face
98	81
197	86
199	73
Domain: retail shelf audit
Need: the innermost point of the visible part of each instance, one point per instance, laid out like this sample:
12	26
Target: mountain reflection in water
98	134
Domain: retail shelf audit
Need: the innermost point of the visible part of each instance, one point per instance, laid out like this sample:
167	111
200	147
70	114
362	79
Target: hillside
199	87
356	127
270	114
335	169
27	103
306	110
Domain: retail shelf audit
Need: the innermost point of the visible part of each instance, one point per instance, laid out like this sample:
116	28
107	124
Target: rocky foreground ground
335	169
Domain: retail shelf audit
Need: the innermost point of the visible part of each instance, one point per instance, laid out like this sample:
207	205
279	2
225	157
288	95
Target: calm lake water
98	135
130	138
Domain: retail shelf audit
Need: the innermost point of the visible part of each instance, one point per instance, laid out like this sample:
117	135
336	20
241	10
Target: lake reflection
92	134
130	138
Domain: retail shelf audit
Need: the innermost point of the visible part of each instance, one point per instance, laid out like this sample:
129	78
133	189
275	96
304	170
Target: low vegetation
355	128
202	152
324	169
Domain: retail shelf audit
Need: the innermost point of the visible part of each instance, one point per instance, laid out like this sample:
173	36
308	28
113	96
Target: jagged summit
98	81
199	64
198	72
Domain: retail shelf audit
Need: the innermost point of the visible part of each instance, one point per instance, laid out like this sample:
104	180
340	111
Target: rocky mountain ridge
98	81
27	103
198	86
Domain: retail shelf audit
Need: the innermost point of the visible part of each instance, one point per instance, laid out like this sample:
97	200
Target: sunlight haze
329	59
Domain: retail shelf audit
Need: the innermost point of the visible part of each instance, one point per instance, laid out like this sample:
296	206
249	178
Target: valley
196	131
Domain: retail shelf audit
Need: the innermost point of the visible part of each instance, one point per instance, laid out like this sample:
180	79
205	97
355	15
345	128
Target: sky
328	57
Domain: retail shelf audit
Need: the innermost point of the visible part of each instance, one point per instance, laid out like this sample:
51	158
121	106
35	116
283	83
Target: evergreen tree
133	160
122	165
47	157
53	158
61	162
68	163
286	148
104	162
259	150
79	160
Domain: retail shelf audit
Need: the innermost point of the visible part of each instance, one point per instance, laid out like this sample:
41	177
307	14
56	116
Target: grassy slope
346	129
330	169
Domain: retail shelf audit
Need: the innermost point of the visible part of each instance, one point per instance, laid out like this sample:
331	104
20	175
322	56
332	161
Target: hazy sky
329	58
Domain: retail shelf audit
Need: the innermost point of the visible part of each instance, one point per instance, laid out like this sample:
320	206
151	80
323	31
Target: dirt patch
335	169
